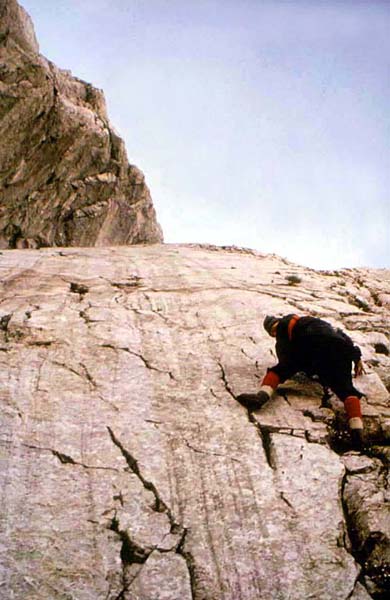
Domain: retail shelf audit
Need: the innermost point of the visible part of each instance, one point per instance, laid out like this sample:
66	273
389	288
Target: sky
257	123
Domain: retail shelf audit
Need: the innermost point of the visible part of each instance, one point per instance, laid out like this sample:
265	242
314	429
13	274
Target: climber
312	346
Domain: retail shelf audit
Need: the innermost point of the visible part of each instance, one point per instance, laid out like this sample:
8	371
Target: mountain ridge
65	179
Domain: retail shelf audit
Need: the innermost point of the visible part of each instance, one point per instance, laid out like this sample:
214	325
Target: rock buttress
65	179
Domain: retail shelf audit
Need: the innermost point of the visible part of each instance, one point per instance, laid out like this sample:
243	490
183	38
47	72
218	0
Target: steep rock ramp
128	468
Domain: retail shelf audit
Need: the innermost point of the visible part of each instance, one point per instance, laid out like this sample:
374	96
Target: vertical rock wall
65	179
128	469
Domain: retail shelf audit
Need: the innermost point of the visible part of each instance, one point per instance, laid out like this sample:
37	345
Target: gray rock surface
65	179
128	468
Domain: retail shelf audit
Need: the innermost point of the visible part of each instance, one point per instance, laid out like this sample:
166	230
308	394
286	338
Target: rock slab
128	469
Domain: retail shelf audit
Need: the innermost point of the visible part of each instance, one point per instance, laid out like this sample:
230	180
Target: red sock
354	412
352	407
271	379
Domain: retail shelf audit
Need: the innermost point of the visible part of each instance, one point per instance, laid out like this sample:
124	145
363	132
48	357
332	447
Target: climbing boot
253	401
357	439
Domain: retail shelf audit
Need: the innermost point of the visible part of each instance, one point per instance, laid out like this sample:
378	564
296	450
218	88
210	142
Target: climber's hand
359	368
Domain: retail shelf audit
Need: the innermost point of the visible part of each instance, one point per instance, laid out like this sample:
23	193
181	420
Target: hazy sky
259	123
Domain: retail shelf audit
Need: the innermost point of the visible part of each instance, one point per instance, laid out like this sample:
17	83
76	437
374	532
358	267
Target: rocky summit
65	179
129	470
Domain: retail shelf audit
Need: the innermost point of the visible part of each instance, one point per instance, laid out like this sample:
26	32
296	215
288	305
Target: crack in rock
211	392
198	451
127	285
67	367
65	459
89	377
83	314
188	444
246	355
372	549
159	505
373	554
131	553
86	377
265	436
78	288
287	501
266	440
348	540
225	381
4	321
145	361
190	562
284	395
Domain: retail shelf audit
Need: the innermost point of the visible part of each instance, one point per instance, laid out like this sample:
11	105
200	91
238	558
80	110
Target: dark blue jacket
314	347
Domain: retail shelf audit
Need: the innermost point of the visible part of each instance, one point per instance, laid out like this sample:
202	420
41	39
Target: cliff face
128	468
64	175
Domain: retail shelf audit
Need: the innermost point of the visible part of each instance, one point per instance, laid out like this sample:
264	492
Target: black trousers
328	360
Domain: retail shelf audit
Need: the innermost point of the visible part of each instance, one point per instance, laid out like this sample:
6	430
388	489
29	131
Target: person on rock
312	346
